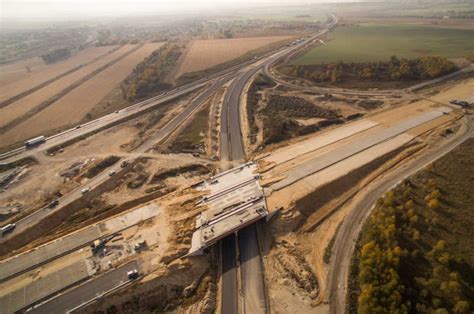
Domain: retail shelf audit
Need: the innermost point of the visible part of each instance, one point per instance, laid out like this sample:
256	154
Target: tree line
148	77
396	69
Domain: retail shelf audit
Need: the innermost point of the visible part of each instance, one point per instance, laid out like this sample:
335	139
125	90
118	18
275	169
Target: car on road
112	173
53	204
133	274
124	164
85	190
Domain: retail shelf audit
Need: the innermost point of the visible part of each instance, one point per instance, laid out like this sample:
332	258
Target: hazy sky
64	9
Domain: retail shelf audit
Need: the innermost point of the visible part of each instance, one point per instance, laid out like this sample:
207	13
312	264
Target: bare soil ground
346	108
27	103
119	141
15	79
172	283
310	232
73	107
204	54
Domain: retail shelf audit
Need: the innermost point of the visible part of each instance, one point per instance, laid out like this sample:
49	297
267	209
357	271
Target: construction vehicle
139	246
462	103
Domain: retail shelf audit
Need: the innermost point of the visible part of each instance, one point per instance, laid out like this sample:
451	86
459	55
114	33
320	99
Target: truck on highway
35	141
7	229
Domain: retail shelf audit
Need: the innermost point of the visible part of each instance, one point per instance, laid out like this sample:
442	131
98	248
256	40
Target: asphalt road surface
86	292
229	275
347	235
253	286
232	147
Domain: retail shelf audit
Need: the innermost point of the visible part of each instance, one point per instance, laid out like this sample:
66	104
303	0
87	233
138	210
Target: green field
375	42
284	13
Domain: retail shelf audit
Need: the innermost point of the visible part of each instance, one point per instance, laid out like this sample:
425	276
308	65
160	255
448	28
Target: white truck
35	141
7	229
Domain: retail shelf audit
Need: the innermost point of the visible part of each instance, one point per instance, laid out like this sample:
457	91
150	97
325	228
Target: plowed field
23	105
204	54
14	78
72	108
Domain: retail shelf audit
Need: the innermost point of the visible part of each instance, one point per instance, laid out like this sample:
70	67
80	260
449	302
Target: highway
86	293
347	236
232	149
229	275
253	285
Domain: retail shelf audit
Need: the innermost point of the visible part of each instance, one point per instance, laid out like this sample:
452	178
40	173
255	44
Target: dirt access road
347	236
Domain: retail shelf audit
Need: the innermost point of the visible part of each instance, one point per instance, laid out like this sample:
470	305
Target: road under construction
249	209
234	199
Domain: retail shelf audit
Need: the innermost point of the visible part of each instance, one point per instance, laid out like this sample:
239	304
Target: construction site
223	195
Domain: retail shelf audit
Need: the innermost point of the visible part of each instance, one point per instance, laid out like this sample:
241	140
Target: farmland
309	13
74	106
15	78
372	42
203	54
24	105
